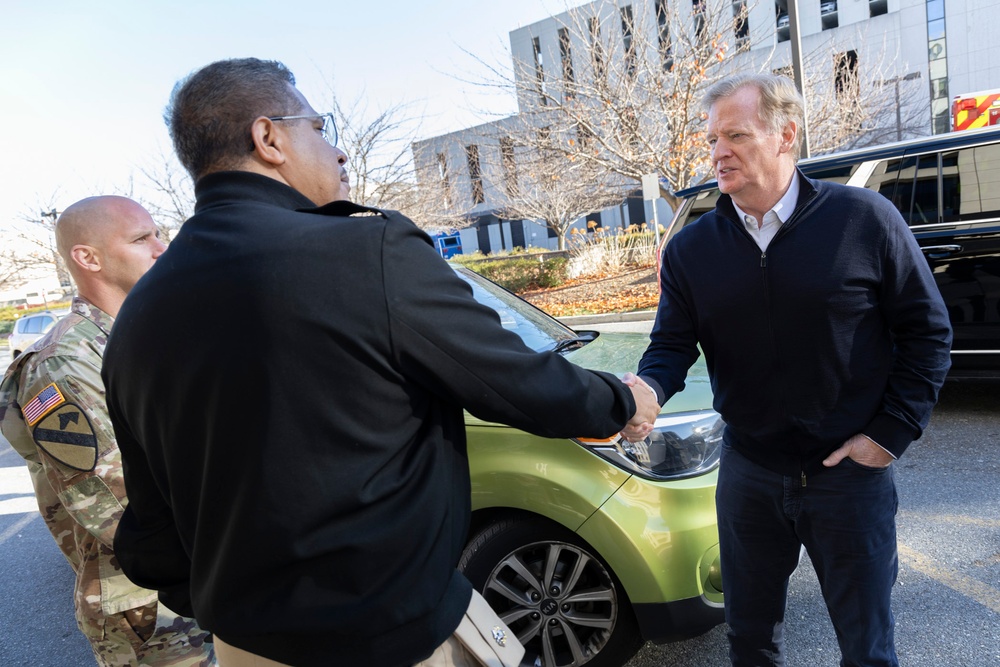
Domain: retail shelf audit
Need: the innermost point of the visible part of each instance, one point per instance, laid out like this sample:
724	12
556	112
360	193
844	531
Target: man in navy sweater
827	342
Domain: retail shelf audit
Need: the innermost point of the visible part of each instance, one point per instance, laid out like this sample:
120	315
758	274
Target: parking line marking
16	528
982	593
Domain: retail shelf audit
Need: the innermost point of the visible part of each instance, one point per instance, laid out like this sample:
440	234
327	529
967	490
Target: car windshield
537	329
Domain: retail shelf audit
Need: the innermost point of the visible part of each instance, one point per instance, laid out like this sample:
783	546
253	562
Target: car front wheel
559	598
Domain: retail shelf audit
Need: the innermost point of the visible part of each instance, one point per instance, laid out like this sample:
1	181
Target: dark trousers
846	518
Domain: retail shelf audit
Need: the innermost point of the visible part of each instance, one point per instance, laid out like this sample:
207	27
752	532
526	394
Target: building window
596	47
628	32
938	67
878	7
475	175
443	179
845	67
828	14
935	10
663	32
539	70
741	26
509	165
700	24
781	23
583	135
566	55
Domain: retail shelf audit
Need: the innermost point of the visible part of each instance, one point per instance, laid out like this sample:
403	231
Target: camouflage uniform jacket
53	412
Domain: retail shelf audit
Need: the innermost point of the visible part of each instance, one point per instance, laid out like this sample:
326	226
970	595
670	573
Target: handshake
647	407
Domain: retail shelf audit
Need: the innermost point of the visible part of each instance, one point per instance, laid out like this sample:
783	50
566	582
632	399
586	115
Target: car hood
619	353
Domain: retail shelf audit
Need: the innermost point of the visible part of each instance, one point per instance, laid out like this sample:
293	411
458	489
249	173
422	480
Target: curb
632	316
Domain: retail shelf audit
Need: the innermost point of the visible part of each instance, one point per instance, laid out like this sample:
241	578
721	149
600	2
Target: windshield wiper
575	342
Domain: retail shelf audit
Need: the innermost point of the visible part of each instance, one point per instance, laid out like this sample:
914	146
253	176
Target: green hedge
520	273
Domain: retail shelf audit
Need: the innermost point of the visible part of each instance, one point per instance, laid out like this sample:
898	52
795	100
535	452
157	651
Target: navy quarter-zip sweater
837	329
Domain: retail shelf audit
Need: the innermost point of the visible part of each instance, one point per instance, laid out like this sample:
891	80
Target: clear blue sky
84	83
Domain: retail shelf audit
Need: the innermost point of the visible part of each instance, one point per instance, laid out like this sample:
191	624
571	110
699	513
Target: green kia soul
588	548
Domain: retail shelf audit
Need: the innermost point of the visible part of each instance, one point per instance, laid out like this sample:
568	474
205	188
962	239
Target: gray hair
780	101
211	111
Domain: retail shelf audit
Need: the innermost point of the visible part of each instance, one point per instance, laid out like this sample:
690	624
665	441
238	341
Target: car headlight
682	444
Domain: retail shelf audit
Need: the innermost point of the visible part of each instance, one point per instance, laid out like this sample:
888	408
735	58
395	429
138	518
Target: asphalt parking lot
947	599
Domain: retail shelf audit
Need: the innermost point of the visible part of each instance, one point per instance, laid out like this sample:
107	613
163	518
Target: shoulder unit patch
67	436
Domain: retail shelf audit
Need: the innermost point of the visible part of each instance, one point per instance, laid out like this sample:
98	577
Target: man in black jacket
287	388
827	342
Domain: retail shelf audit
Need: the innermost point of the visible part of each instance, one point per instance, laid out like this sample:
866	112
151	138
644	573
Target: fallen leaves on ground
591	295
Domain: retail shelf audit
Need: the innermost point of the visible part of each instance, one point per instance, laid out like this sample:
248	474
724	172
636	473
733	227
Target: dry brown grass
636	289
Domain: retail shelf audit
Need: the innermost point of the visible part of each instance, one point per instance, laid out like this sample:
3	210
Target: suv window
916	195
840	174
968	181
971	182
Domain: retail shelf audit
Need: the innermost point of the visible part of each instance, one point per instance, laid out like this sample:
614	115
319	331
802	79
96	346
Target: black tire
559	598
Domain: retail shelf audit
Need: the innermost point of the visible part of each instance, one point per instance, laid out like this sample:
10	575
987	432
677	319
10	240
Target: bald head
91	220
108	243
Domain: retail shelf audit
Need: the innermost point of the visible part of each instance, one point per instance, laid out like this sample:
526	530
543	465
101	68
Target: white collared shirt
762	233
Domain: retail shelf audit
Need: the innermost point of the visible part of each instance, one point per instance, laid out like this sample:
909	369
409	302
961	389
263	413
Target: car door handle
939	251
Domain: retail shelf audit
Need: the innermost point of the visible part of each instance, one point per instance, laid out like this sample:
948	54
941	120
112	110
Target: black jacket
287	389
837	329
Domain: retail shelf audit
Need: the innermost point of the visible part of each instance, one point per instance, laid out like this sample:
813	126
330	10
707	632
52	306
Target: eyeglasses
329	126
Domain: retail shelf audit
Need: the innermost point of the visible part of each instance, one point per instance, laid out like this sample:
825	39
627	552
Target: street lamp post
895	82
796	40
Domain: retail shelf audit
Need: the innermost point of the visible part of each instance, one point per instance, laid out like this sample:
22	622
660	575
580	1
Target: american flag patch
42	404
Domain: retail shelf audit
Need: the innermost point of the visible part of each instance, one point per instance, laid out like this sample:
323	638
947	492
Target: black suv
947	188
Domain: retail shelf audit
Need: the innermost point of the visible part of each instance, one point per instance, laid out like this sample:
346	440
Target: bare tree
166	191
855	99
379	163
435	202
17	266
427	203
34	252
377	145
623	90
548	185
377	142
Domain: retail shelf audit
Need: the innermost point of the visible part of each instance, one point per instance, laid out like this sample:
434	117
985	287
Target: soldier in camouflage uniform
52	411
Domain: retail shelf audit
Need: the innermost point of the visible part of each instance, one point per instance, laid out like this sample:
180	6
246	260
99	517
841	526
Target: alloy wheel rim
558	599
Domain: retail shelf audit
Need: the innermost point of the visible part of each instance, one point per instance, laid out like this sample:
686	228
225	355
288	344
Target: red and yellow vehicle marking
976	110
